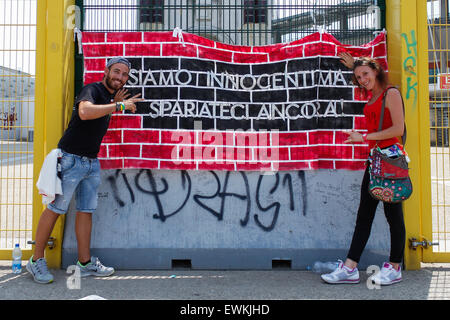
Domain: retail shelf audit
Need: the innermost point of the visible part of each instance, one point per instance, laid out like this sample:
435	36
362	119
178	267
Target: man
80	168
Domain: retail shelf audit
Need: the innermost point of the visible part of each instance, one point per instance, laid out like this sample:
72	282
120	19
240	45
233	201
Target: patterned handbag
389	176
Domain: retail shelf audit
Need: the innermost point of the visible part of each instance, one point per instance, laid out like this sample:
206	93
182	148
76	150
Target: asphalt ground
221	294
431	282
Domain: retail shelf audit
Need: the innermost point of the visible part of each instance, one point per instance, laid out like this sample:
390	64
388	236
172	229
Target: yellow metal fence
17	82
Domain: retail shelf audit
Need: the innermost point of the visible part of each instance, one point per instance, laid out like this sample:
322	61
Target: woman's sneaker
39	270
342	274
95	268
388	275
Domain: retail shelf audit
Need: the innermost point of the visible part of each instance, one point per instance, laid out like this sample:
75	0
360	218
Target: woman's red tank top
372	113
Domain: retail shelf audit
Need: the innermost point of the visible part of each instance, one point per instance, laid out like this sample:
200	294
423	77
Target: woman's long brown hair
374	65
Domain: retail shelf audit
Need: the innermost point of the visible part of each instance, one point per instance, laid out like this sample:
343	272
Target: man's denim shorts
79	175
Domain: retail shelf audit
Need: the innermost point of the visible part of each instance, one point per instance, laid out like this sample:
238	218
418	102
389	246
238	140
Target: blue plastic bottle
17	259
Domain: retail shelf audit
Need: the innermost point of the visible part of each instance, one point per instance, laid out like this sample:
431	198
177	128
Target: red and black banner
214	106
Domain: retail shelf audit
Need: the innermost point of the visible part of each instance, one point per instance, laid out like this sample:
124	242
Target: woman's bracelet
364	137
120	106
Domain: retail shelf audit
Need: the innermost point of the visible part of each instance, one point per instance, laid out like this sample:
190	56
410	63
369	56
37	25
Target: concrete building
16	105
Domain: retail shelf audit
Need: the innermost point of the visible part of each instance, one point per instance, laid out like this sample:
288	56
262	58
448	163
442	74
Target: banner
213	106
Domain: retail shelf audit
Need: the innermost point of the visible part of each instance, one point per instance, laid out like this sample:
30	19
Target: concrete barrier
160	219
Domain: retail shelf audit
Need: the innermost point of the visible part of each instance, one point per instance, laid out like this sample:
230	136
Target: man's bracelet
120	106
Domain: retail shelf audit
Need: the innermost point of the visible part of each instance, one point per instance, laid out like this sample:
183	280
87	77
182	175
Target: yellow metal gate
437	225
17	83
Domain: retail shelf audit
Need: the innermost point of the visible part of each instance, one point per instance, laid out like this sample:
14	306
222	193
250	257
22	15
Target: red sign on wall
444	81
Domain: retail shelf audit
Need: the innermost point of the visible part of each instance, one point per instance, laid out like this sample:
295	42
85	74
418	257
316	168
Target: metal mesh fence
239	22
439	66
17	79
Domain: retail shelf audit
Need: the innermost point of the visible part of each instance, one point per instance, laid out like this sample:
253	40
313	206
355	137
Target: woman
369	76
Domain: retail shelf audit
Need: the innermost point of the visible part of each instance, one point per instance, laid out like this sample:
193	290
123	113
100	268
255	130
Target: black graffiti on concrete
223	196
287	180
301	175
185	179
146	183
113	181
275	205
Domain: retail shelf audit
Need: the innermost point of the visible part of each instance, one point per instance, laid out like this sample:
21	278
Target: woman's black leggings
364	220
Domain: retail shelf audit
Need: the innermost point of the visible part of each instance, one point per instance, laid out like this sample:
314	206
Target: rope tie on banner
375	33
77	36
321	29
177	32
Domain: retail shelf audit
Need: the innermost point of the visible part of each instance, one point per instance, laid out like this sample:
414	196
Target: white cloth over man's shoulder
49	184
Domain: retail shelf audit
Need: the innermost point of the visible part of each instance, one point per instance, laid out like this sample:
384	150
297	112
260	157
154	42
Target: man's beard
112	84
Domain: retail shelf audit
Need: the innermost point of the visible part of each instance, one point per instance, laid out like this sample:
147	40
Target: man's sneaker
39	270
95	268
387	275
342	274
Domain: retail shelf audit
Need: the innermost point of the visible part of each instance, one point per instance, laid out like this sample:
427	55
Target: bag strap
383	107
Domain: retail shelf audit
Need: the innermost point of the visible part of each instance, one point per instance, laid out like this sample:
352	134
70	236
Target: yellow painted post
54	98
408	68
